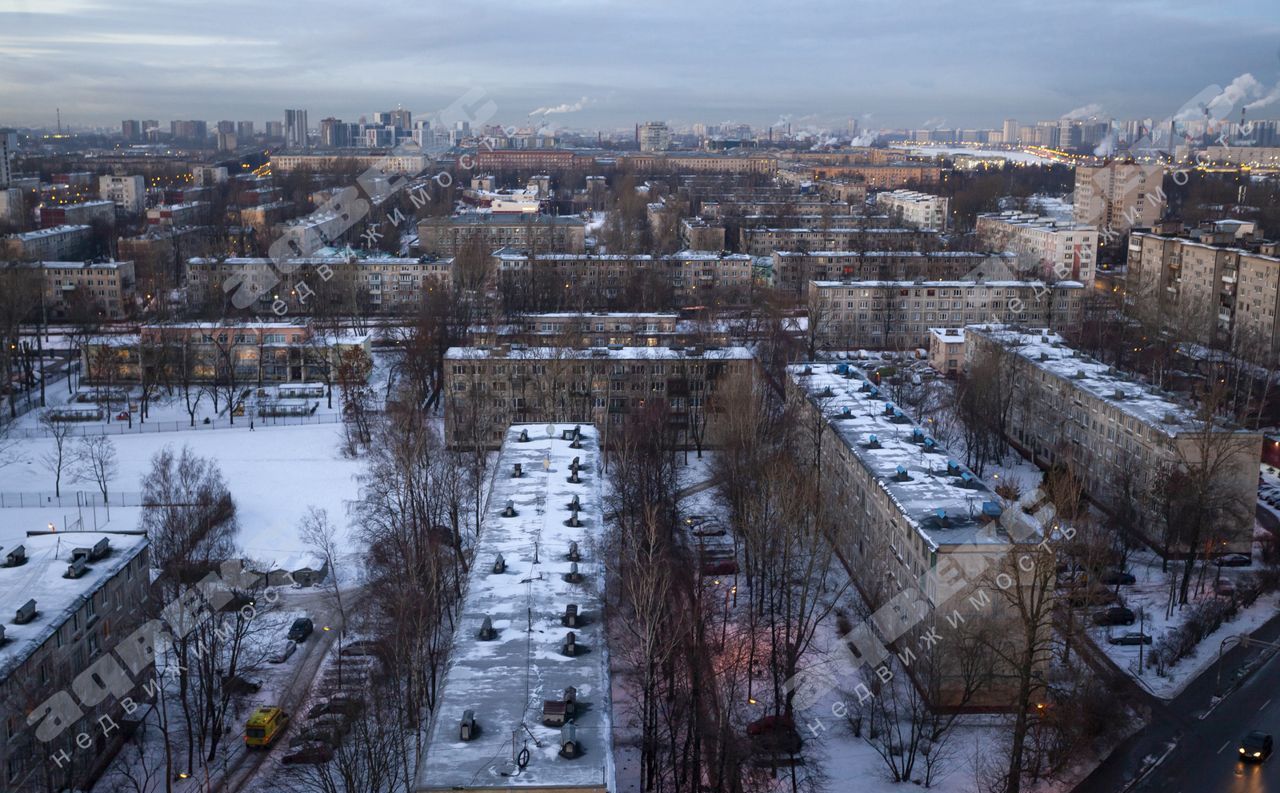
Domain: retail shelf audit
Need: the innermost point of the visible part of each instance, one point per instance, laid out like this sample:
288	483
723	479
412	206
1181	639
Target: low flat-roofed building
946	350
516	686
793	270
1112	428
445	236
76	596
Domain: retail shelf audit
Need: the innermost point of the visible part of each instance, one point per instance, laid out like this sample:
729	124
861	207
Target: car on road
1233	560
1113	577
301	629
1130	638
309	754
1255	747
1116	615
708	530
283	651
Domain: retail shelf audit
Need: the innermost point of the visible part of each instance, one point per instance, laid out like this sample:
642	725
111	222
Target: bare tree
60	457
96	462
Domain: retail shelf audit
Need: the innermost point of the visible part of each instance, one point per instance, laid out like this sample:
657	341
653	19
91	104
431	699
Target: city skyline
593	65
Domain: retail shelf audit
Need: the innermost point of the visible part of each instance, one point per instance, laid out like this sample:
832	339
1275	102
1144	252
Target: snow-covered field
274	474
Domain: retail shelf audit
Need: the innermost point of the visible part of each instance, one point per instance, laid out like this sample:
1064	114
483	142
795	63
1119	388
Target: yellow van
264	726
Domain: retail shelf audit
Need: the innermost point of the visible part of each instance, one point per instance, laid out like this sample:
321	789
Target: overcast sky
604	63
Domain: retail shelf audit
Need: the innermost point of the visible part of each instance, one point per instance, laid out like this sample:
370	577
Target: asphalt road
1204	739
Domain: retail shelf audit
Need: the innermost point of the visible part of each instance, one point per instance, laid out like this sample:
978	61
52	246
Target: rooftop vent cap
26	613
17	556
467	728
499	564
487	633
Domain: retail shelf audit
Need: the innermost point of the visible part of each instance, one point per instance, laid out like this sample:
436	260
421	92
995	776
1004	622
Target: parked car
309	754
1130	638
1233	560
720	567
341	703
122	415
708	530
340	724
283	651
1113	577
242	684
1091	596
325	735
364	647
301	629
1224	588
1116	615
1255	747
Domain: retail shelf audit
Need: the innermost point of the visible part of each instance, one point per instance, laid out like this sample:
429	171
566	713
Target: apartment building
486	389
401	163
1261	157
653	136
550	628
921	528
1046	248
1118	196
587	329
83	213
59	243
876	177
552	281
687	162
699	234
1210	285
446	236
764	241
219	352
74	597
190	213
897	315
1112	429
128	193
376	284
793	270
104	289
915	209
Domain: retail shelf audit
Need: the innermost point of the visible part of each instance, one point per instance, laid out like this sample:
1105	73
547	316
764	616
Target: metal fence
78	498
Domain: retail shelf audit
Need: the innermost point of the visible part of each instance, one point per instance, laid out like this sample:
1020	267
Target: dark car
774	735
1113	577
1091	596
301	629
1130	638
345	704
1116	615
325	735
1233	560
1224	588
309	754
1255	747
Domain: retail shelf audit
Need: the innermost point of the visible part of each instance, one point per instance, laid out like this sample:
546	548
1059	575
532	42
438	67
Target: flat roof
490	219
954	282
504	681
934	480
42	579
620	352
1048	352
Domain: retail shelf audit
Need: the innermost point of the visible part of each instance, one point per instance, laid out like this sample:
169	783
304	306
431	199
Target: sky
589	64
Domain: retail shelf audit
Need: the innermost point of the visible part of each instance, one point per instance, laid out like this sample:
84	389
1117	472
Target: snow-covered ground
274	474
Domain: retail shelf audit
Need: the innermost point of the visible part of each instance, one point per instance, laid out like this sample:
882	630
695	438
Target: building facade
1046	248
446	236
1118	196
129	193
59	243
792	271
1115	432
915	209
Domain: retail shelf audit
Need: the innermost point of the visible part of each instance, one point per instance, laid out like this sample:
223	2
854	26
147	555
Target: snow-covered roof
1048	352
969	283
902	254
918	475
43	580
617	351
504	680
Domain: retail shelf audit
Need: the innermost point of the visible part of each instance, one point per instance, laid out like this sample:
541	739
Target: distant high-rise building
131	131
1119	196
295	128
8	150
336	134
401	119
244	131
653	136
226	126
227	141
275	130
189	131
1010	130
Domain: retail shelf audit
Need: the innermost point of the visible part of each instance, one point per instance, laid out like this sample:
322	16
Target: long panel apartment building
897	315
446	236
793	270
71	598
525	703
916	209
920	526
1112	429
764	241
488	388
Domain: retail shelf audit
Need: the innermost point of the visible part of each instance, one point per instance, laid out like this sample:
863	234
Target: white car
283	651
